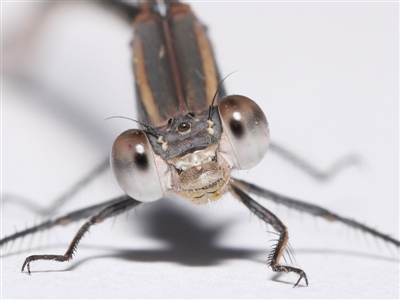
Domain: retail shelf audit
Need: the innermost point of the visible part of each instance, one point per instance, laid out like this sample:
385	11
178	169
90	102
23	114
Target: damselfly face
325	75
192	155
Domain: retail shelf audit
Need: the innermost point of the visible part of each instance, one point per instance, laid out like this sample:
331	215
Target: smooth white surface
326	76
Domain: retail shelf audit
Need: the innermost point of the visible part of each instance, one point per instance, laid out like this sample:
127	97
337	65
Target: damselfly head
192	155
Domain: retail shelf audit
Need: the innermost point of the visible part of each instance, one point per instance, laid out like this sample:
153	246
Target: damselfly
163	52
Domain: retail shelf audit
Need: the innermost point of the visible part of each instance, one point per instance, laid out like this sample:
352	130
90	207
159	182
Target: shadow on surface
198	257
187	240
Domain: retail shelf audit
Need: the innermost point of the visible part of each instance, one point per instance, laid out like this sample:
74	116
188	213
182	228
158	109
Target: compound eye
133	164
246	128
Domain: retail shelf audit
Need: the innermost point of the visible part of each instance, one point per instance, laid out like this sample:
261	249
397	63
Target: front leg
268	217
111	210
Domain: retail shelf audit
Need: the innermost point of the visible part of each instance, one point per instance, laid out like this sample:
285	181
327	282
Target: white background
326	76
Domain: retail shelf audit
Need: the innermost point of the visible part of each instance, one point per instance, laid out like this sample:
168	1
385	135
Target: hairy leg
105	213
311	209
268	217
64	220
